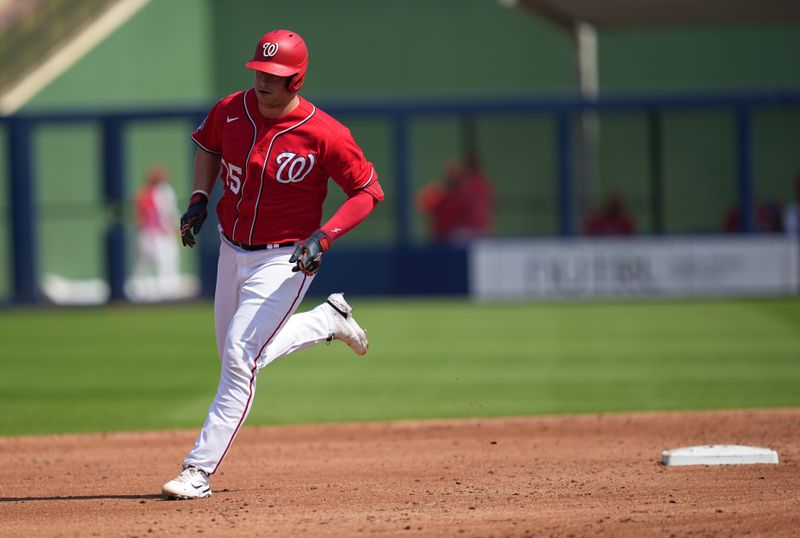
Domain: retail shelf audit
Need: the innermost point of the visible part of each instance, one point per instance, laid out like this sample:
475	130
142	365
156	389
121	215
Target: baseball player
157	245
274	152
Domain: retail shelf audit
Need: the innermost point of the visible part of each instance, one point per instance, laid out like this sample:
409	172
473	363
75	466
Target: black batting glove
308	254
193	219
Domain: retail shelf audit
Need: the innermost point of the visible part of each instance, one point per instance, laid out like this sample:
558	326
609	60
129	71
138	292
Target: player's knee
238	358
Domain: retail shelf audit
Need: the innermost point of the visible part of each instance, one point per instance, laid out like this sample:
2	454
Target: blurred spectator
791	214
768	218
460	206
612	218
156	270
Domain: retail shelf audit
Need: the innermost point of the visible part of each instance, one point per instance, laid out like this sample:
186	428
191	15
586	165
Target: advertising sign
673	267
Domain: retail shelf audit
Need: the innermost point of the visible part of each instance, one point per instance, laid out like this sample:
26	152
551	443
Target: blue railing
399	113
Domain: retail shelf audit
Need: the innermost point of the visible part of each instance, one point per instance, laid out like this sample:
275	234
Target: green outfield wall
191	52
159	58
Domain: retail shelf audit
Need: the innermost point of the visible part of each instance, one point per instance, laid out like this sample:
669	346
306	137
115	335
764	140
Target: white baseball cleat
345	327
192	483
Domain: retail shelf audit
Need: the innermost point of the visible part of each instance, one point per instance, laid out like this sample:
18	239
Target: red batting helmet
282	53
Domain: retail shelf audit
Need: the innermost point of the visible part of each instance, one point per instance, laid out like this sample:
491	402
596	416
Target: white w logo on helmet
295	167
270	49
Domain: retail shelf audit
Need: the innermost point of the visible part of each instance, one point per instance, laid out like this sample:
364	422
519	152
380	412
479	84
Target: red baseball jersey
275	171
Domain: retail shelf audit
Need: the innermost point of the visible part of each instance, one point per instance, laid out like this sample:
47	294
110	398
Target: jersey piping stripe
252	145
266	162
371	175
254	371
205	148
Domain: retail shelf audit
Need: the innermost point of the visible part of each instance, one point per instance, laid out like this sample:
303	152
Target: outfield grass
131	368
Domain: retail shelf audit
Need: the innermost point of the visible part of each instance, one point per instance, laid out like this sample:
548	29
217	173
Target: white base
718	455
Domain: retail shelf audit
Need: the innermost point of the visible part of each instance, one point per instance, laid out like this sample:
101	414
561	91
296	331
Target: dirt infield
543	476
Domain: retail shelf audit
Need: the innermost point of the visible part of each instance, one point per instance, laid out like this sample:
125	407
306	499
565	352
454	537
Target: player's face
272	91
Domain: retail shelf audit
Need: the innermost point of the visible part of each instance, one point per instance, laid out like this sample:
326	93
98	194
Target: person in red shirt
274	152
768	218
460	207
613	218
155	275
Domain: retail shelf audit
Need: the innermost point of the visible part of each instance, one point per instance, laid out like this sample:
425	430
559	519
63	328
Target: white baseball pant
157	261
256	296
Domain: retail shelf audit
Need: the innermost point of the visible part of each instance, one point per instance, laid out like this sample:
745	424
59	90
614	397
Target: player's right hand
193	219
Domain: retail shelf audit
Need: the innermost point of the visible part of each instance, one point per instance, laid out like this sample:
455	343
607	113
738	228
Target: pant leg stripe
254	371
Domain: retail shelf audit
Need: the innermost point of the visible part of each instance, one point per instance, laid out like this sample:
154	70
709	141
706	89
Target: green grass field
134	368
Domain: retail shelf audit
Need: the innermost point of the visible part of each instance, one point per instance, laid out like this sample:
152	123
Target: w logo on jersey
294	168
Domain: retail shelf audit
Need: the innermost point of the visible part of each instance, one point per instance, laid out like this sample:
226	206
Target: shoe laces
189	472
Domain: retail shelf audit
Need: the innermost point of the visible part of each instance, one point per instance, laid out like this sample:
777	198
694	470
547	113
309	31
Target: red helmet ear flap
296	82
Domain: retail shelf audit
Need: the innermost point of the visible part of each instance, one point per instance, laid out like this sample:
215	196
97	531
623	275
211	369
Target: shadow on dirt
79	498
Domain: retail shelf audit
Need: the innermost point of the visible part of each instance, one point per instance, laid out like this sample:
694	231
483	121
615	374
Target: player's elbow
375	191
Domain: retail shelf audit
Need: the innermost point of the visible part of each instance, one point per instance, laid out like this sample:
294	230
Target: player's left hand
308	254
